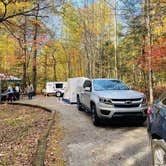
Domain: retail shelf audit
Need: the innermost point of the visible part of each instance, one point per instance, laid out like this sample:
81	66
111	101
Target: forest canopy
48	40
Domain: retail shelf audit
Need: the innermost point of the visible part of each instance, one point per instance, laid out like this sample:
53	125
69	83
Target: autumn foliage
48	41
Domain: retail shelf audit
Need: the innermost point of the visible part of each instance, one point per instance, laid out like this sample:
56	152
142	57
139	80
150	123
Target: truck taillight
149	110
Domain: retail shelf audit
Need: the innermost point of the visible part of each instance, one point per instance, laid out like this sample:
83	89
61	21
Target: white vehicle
55	88
111	99
74	85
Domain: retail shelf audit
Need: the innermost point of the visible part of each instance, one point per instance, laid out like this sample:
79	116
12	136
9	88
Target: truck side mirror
88	89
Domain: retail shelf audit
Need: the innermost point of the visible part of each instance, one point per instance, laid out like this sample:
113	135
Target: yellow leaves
2	9
18	7
7	49
14	8
100	18
72	21
54	52
94	19
158	19
161	27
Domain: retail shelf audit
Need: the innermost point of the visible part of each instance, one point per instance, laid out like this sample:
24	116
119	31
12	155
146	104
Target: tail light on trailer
149	110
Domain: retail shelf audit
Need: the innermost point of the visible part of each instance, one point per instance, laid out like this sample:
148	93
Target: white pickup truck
111	99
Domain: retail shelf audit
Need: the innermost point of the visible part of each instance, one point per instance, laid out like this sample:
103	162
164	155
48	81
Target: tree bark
115	42
54	67
149	53
45	69
34	65
25	54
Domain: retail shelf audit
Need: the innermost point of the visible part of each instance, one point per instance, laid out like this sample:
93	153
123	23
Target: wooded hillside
51	41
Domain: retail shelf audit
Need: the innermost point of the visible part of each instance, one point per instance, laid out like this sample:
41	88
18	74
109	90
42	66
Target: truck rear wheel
79	105
95	118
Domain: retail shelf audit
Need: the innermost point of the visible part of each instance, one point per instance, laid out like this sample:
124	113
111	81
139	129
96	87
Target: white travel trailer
73	86
55	88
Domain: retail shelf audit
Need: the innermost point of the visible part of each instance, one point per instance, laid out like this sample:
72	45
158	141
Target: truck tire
58	94
79	105
95	118
158	153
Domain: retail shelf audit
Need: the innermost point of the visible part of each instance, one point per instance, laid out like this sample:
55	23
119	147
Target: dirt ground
87	145
20	129
19	132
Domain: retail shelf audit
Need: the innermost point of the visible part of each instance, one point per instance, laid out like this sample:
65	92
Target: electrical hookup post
59	98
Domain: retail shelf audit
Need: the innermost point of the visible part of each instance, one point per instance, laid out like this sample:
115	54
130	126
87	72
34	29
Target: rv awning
7	78
4	77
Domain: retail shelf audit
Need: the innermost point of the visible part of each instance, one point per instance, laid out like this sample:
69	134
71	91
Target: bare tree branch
22	13
14	35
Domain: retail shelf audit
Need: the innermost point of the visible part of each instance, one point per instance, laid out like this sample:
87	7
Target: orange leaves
157	51
50	43
36	23
158	57
39	40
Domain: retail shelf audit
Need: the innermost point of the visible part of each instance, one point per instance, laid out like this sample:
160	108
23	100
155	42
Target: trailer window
59	85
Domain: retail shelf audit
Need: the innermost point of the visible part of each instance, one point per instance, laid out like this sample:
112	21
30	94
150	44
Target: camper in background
55	88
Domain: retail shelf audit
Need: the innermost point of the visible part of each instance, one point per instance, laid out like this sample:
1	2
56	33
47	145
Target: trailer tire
58	94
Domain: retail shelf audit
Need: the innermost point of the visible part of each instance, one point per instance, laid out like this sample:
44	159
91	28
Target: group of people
13	93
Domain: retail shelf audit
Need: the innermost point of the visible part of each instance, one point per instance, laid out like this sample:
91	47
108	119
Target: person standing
30	91
10	89
17	89
10	95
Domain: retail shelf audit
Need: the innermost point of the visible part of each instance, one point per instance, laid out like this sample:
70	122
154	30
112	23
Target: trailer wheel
58	94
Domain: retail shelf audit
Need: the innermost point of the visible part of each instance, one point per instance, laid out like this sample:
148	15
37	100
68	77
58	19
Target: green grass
14	122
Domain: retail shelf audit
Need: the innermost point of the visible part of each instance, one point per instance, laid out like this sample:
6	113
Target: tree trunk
34	65
115	42
144	72
69	65
149	53
54	67
24	51
45	69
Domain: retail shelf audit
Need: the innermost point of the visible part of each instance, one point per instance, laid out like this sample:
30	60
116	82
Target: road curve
87	145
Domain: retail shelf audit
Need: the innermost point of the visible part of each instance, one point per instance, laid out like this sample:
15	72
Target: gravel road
87	145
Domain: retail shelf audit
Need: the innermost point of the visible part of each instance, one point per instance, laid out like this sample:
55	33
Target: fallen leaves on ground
54	150
20	130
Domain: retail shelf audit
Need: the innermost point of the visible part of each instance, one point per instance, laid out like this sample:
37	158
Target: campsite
76	141
83	83
75	134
